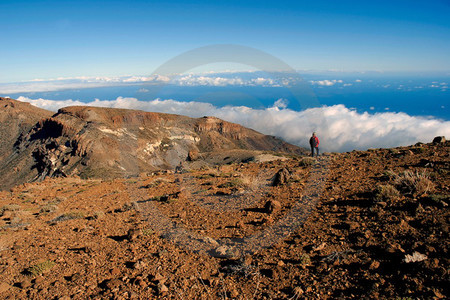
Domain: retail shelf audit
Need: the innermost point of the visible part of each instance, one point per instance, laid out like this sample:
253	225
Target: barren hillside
93	142
365	224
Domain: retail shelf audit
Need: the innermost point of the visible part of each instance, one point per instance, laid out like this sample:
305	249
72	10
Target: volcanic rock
439	139
281	177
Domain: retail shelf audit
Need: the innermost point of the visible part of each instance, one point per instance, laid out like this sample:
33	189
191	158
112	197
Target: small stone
139	265
4	287
298	291
133	234
113	283
248	260
234	293
350	225
76	278
159	278
320	247
115	271
222	251
438	294
240	224
25	283
382	204
39	280
272	206
162	288
142	284
374	265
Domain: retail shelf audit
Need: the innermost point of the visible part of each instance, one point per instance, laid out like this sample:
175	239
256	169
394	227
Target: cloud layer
212	79
339	128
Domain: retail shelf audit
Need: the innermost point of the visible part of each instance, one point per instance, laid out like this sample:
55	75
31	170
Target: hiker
314	142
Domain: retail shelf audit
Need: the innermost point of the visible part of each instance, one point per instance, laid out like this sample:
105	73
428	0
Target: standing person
314	142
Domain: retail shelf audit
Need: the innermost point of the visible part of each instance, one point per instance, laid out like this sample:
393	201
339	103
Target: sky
369	73
52	39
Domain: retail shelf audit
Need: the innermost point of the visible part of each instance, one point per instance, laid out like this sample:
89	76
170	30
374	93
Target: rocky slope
359	225
16	120
94	142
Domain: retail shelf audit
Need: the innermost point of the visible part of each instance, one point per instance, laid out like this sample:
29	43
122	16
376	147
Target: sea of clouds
246	78
338	127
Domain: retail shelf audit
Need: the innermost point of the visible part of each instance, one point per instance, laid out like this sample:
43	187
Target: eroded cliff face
106	142
16	120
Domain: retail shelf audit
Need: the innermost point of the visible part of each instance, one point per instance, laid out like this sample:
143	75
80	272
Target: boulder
281	177
439	139
193	155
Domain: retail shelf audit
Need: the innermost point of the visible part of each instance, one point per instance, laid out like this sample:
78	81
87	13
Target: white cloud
339	128
190	79
326	82
193	80
281	103
57	84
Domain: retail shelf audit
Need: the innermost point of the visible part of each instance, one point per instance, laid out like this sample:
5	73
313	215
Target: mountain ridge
110	142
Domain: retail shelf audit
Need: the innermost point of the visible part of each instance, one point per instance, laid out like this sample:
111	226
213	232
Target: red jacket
314	141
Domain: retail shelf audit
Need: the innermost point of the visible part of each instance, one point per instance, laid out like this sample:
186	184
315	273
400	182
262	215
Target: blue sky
49	39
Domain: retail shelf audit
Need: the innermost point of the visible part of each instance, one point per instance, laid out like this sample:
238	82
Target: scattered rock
234	293
272	206
115	271
139	265
193	155
133	234
281	177
350	225
415	257
159	278
4	287
113	284
162	288
25	283
374	265
298	291
320	247
224	251
339	237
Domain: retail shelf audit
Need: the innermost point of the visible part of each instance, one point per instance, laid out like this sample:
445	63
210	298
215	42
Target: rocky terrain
16	119
360	225
93	142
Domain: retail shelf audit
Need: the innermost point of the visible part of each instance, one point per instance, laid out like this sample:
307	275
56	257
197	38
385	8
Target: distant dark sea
426	97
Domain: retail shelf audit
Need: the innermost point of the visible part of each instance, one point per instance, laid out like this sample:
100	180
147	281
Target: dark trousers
312	151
